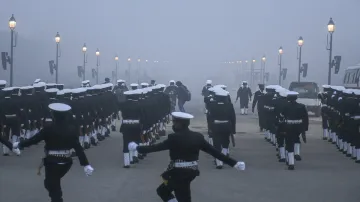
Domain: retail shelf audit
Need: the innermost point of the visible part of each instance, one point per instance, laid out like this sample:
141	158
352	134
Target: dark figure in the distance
184	146
60	137
244	93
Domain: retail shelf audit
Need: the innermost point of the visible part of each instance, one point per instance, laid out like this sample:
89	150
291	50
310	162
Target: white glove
240	165
17	152
88	170
15	145
132	146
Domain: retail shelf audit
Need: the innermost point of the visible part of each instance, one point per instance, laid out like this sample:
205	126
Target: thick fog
191	40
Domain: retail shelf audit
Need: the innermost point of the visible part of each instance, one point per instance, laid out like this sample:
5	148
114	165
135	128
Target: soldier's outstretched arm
208	148
164	145
38	137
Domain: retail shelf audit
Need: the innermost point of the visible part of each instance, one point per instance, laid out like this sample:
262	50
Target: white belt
185	164
130	121
48	119
324	105
293	121
218	121
59	152
355	117
10	116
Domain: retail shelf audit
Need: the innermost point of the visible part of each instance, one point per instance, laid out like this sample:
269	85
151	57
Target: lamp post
84	49
280	61
331	29
57	40
129	69
116	67
262	72
300	44
97	65
252	72
12	25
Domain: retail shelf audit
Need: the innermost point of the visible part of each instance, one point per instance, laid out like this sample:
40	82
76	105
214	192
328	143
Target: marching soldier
12	115
296	123
60	137
257	101
132	124
222	122
184	146
171	90
244	93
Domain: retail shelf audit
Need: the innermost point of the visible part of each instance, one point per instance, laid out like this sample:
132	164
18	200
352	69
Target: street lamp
116	67
300	44
57	40
97	53
84	49
280	60
12	25
129	69
263	59
331	29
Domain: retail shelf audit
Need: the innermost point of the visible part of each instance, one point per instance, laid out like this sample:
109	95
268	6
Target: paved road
324	175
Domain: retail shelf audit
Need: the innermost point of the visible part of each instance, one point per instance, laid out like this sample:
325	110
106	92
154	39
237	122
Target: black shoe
291	167
344	152
113	128
277	149
357	161
297	157
86	145
92	141
73	154
126	167
324	138
140	156
282	160
135	159
157	136
353	158
348	155
131	162
219	167
6	154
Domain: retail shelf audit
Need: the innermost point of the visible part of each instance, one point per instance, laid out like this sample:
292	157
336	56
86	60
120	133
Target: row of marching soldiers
283	120
340	113
24	110
145	113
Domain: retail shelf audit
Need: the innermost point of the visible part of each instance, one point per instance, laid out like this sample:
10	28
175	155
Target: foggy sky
196	37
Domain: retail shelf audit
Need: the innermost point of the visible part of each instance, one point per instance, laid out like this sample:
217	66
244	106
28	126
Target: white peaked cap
348	91
78	90
160	85
39	84
133	92
326	86
8	89
52	90
134	84
37	80
144	84
85	82
221	92
279	89
338	88
182	115
59	107
2	82
283	92
120	81
172	81
289	93
208	82
26	87
244	82
51	84
220	86
356	91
